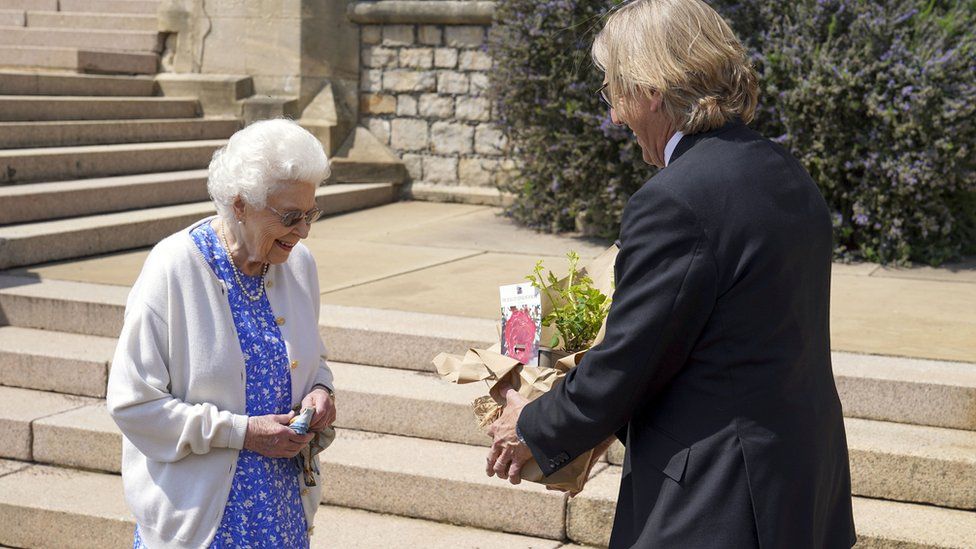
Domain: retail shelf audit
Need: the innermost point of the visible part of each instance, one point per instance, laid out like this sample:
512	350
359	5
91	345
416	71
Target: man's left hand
325	410
508	454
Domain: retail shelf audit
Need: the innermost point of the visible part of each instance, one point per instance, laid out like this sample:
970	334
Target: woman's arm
161	426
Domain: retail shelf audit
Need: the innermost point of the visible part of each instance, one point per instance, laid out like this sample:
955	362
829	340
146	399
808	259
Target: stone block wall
423	92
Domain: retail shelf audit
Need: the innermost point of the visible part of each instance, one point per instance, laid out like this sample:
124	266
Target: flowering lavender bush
876	98
577	170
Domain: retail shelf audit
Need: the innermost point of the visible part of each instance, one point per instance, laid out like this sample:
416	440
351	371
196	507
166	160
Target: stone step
434	480
34	512
44	241
934	393
912	463
13	18
14	108
81	60
101	21
905	390
45	5
33	202
880	524
19	408
16	135
401	402
888	460
68	163
141	7
142	41
55	361
376	472
39	83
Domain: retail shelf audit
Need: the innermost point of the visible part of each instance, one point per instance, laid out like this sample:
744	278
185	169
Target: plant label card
521	322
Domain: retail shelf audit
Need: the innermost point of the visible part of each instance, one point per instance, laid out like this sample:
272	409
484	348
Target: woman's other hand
271	437
325	410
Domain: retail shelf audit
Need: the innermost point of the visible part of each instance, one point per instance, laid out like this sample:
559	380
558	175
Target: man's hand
271	437
508	454
325	410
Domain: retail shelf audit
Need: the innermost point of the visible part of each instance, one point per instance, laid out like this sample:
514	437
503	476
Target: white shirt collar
671	146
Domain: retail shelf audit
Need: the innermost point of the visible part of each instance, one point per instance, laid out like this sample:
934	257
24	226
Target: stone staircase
106	36
97	164
409	457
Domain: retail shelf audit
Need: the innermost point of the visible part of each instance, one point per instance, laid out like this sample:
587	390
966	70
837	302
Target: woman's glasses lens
290	219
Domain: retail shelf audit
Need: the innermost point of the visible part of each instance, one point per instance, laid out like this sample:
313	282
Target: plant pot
549	357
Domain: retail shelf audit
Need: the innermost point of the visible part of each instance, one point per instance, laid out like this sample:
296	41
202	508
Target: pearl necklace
237	273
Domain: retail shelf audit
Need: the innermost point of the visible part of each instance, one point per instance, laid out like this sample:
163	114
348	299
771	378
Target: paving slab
435	480
341	527
487	229
52	507
921	318
467	287
912	318
960	271
384	221
348	263
55	361
20	407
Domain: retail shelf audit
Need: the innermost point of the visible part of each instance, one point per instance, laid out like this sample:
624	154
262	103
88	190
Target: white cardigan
177	383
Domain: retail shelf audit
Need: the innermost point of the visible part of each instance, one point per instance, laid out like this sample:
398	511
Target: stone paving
450	258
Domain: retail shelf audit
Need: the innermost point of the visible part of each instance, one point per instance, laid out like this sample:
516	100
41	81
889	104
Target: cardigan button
280	321
268	283
294	364
304	491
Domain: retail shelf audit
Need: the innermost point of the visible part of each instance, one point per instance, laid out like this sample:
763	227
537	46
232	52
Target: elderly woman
220	342
715	368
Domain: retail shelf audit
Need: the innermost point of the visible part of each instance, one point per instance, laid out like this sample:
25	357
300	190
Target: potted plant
575	310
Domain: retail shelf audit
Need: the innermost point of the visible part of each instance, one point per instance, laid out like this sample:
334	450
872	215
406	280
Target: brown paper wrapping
495	369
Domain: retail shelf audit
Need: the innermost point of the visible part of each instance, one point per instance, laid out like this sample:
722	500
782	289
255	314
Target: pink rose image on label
520	337
521	322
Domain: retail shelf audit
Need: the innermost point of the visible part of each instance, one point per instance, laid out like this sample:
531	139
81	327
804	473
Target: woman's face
265	238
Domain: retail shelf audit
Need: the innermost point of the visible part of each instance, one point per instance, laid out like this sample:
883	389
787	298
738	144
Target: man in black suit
715	369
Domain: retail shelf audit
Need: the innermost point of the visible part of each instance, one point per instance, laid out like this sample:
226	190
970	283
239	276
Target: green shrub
876	99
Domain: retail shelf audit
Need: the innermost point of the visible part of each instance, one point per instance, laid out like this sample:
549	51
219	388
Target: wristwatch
327	389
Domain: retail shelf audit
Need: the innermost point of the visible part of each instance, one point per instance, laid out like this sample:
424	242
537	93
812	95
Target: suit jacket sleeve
666	289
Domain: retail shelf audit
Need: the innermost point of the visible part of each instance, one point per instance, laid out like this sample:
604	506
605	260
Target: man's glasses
602	92
290	219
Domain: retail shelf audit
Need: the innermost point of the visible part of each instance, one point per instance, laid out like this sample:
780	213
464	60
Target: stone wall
423	92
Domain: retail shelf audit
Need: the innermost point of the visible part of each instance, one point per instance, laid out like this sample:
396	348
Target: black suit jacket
715	369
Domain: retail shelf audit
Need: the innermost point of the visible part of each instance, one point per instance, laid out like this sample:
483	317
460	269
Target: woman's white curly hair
259	158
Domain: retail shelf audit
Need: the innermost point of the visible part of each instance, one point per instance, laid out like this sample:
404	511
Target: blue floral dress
264	508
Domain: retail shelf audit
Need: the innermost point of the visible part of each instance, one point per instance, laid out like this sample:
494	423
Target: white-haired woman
220	342
715	366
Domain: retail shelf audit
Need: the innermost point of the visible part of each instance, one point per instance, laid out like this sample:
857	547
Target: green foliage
876	98
578	309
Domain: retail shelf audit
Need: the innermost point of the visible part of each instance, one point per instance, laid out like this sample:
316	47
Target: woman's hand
325	410
271	437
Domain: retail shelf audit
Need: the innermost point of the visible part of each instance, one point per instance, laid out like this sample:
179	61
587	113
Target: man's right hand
271	437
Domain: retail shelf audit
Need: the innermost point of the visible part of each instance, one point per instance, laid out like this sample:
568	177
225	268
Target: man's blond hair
685	51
